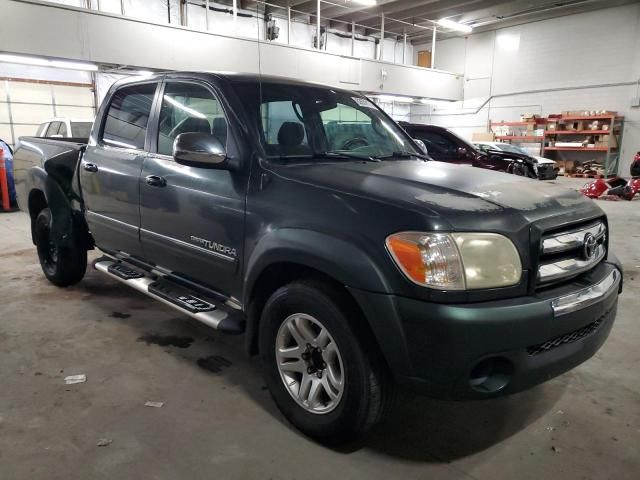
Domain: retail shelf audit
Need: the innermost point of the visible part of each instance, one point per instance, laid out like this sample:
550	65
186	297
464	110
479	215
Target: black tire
367	388
63	266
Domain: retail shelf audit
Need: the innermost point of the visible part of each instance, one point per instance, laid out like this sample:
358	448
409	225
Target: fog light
491	375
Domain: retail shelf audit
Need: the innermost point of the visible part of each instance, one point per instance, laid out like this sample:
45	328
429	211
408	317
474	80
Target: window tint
128	115
284	131
63	129
81	129
436	142
187	107
53	129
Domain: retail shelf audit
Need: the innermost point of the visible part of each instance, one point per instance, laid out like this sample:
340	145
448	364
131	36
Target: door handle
155	181
90	167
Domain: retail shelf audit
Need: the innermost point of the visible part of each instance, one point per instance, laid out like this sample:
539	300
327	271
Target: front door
110	170
192	219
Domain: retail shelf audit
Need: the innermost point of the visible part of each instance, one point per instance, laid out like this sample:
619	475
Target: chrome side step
207	311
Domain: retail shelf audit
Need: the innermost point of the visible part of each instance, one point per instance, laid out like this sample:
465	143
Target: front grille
569	253
572	337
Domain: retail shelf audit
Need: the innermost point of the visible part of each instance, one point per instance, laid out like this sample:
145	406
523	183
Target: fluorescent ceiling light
43	62
144	73
460	27
394	98
437	103
367	3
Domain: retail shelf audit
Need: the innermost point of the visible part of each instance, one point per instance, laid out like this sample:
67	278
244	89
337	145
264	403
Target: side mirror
422	146
199	150
57	135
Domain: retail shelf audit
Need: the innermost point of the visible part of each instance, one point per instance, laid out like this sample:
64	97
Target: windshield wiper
401	154
345	156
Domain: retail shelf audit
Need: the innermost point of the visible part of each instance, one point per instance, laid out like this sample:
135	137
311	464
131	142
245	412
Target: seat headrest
291	134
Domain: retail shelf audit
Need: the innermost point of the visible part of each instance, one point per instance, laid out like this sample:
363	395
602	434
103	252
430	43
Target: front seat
290	138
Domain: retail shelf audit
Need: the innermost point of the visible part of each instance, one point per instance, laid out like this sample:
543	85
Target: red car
445	146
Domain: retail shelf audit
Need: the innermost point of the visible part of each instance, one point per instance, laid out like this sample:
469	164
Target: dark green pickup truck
307	219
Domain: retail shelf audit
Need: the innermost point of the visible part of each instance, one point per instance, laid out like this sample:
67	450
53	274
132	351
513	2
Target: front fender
333	256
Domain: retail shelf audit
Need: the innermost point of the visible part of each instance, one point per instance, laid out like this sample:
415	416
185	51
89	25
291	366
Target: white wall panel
543	68
75	112
30	92
89	36
4	111
71	95
30	113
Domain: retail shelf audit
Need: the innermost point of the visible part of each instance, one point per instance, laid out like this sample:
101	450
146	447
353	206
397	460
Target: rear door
192	218
110	169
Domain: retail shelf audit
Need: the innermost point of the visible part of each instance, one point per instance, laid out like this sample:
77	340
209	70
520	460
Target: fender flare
337	258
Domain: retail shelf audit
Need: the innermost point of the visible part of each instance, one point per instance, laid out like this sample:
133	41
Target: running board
209	312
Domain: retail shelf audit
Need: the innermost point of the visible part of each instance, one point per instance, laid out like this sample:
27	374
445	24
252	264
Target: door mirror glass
199	150
422	145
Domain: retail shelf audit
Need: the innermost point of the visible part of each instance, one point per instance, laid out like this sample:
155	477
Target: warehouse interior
552	88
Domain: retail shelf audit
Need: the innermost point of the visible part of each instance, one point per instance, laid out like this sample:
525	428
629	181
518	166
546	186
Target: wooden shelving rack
610	146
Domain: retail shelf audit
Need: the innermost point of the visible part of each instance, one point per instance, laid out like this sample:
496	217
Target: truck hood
446	189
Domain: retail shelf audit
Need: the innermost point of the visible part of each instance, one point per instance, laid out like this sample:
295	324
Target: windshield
507	147
307	121
81	129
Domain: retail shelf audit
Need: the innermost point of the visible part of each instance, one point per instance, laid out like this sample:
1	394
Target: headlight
456	261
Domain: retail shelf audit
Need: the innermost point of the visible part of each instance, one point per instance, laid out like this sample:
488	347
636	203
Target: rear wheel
63	266
323	379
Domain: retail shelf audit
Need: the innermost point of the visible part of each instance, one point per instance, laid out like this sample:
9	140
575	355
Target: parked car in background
65	128
445	146
545	168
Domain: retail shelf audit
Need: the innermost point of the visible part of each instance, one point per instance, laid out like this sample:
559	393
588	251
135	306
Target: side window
63	129
53	129
284	132
127	117
188	107
42	130
436	142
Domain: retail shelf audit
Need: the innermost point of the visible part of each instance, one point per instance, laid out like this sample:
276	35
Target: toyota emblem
589	246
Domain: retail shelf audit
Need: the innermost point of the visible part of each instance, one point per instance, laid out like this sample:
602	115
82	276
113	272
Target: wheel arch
290	254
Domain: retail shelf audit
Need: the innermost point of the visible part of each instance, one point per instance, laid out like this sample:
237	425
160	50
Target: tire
63	266
365	388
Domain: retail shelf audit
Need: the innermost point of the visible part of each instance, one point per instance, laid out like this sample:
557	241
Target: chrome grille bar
564	241
569	267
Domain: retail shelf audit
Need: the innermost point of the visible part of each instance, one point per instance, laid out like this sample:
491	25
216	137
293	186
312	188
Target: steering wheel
353	143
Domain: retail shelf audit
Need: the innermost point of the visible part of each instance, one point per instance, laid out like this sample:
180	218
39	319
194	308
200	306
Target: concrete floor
219	422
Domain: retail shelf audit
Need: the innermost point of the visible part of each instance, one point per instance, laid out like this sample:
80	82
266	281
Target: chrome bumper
587	296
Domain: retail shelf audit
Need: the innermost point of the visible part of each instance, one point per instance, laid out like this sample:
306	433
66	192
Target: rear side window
53	129
81	129
63	129
128	115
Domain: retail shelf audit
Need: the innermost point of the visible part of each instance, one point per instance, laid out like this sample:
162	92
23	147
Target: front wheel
63	266
322	378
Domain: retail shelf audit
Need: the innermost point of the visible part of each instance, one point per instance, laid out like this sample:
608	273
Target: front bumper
498	347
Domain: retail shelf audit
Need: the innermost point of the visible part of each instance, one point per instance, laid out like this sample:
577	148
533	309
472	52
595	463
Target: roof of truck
254	78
